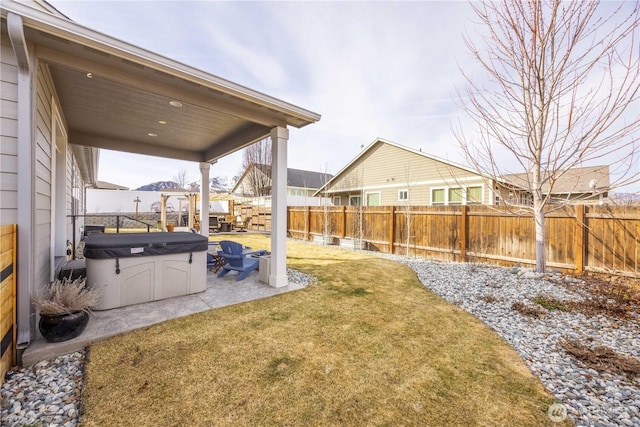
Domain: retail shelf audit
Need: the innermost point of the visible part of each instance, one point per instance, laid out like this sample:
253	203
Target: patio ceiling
117	96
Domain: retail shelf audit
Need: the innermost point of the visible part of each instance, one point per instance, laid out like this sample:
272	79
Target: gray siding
43	175
8	133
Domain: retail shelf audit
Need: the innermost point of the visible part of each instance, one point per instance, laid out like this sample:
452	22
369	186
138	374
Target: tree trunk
538	216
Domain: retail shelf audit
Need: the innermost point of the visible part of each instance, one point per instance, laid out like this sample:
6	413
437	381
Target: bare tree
561	78
409	181
181	178
256	160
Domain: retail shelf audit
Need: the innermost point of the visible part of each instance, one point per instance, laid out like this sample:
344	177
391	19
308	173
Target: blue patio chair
237	258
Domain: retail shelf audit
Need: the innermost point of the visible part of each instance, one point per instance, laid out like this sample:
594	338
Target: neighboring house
587	185
68	91
104	185
255	181
386	173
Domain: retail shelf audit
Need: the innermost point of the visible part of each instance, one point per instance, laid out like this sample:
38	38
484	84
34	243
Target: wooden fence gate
7	298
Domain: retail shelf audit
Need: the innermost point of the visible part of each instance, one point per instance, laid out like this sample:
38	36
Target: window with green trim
437	196
455	196
373	199
474	195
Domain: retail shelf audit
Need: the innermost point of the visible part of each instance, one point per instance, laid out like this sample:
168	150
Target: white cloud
371	69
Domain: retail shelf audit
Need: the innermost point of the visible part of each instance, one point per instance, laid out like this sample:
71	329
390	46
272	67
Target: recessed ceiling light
162	122
152	134
175	103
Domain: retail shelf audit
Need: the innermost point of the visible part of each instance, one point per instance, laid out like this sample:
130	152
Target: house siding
388	169
43	175
8	133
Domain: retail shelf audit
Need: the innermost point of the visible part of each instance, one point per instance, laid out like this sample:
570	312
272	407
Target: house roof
379	141
570	181
306	179
104	185
295	177
118	96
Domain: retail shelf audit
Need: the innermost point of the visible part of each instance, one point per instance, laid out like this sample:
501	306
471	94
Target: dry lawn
367	345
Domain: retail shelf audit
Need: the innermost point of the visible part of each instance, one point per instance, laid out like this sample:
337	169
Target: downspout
26	245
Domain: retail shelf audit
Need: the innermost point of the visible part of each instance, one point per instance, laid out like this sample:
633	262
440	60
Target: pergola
117	96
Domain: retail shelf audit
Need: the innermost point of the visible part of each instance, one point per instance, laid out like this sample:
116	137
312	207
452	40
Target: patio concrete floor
220	292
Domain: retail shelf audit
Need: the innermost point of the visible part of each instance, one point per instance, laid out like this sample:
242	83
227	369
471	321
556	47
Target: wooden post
8	302
392	228
307	221
464	232
343	222
163	211
578	248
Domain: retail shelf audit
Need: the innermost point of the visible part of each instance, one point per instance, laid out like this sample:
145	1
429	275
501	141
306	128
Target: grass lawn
367	345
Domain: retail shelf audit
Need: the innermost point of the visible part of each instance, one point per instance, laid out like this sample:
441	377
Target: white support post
205	167
278	273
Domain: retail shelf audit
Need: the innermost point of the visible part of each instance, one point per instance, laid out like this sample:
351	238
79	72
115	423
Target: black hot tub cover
125	245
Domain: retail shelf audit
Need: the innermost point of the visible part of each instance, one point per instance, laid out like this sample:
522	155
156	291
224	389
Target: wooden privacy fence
7	298
578	238
260	216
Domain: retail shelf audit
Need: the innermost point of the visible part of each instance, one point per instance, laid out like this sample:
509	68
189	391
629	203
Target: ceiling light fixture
152	134
177	104
162	122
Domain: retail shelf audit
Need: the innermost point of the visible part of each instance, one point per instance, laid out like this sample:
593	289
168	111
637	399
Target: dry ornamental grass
367	345
66	296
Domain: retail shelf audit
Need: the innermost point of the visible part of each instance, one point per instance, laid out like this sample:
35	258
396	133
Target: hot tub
134	268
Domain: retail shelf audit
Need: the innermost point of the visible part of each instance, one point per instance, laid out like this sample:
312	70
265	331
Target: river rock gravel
44	394
591	398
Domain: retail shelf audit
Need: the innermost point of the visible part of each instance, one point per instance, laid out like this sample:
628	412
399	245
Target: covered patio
120	97
76	91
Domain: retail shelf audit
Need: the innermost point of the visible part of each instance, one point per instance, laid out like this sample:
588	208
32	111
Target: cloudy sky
371	69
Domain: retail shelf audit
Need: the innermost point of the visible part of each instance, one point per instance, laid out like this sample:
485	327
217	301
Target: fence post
307	225
392	228
344	222
464	232
578	248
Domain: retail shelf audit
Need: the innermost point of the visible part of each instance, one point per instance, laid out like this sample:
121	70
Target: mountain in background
161	186
219	184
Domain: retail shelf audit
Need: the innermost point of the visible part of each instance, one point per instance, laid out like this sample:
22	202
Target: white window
437	196
337	200
403	195
455	196
373	199
355	200
474	195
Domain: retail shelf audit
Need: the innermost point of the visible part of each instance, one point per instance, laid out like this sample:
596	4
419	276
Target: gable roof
378	141
295	177
118	96
104	185
306	179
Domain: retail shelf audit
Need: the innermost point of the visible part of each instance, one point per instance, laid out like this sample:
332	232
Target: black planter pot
62	327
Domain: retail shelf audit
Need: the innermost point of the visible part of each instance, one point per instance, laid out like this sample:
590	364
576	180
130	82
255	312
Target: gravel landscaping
591	397
48	392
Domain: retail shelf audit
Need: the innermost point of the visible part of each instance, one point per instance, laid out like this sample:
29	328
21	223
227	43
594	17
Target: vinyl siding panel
8	133
43	174
9	111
